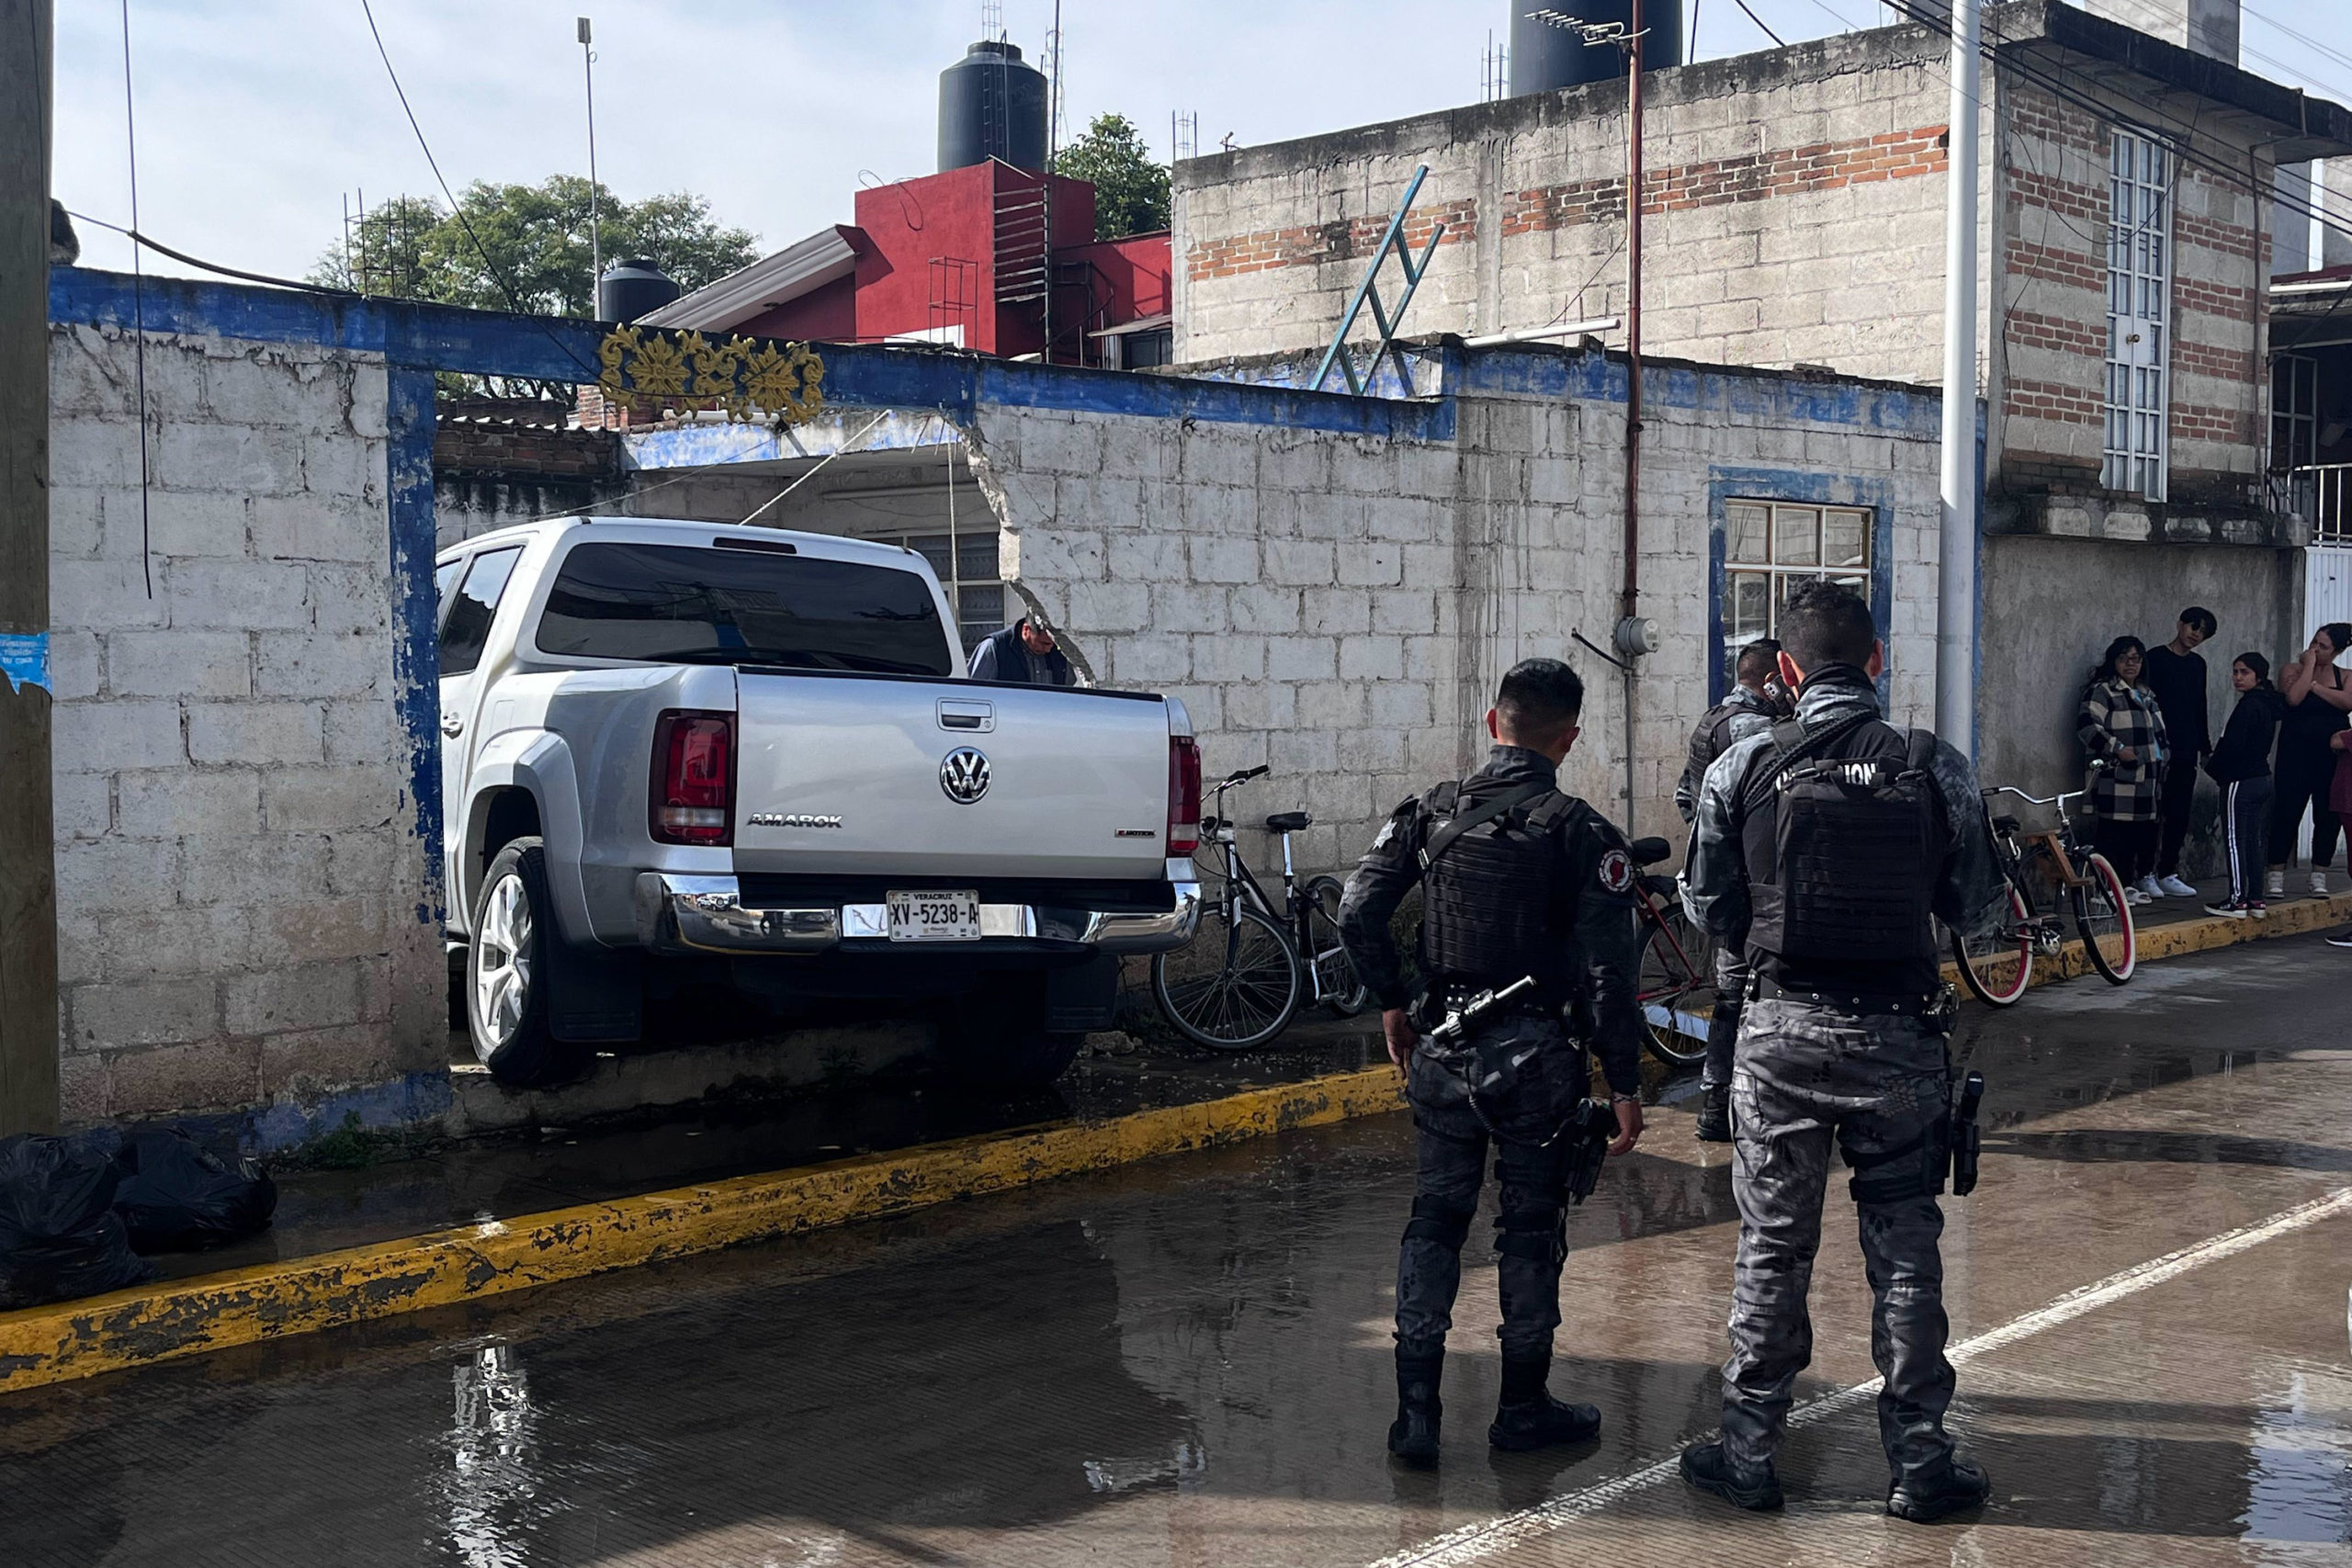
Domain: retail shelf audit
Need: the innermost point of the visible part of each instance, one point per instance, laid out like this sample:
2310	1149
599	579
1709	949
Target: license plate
934	915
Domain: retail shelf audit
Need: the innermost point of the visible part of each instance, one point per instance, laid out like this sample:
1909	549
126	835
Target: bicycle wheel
1343	992
1236	986
2103	917
1677	989
1998	967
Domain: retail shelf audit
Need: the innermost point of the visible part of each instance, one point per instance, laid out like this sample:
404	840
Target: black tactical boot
1951	1488
1412	1437
1708	1468
1714	1115
1529	1417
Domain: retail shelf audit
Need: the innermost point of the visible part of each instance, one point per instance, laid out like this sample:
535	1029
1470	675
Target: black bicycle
1252	964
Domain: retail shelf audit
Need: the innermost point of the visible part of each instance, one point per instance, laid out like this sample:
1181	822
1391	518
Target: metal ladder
1368	292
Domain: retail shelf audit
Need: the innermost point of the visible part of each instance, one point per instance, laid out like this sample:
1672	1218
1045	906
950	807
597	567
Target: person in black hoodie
2241	765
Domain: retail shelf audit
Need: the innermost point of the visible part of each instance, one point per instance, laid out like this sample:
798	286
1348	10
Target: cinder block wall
1341	610
244	915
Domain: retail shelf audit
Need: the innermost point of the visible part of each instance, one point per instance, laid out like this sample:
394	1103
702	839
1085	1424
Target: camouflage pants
1805	1076
1723	1029
1530	1223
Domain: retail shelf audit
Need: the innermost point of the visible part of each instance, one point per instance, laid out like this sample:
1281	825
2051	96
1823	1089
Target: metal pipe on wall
1628	615
1956	554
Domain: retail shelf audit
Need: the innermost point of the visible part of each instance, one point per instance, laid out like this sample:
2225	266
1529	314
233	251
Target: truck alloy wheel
509	972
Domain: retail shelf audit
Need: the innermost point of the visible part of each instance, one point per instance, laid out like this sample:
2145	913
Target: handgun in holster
1966	1140
1591	1128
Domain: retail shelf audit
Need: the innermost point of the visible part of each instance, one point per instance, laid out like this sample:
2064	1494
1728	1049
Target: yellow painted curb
2178	939
271	1301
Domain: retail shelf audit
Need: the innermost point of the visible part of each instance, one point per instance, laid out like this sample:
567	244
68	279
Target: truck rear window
681	604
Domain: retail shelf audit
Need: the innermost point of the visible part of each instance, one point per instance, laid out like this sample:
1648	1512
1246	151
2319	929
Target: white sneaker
2174	887
2149	891
2274	885
2132	895
2319	885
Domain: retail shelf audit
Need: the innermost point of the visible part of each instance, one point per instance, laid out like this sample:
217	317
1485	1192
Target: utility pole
1956	573
27	870
595	238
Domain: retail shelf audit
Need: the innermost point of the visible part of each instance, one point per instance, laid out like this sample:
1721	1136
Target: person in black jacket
2175	672
1026	650
2241	765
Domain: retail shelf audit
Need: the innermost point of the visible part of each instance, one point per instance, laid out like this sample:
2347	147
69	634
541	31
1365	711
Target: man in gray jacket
1832	843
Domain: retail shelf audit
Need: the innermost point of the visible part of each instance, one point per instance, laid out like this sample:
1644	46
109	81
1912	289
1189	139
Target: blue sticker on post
24	659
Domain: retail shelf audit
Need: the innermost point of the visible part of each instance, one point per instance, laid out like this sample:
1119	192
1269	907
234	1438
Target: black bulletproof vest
1708	739
1494	908
1845	840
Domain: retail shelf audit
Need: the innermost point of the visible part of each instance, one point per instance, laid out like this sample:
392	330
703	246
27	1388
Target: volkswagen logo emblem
964	775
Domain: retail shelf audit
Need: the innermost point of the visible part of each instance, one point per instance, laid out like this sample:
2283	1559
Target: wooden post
27	875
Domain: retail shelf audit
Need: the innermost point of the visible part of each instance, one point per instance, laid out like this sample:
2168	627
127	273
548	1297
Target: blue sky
255	120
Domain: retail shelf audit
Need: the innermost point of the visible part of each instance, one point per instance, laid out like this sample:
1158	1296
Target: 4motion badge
964	776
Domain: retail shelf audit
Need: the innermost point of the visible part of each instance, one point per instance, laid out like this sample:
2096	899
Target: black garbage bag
58	1235
176	1194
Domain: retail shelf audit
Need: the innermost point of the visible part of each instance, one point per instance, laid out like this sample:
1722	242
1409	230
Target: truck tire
508	973
996	1037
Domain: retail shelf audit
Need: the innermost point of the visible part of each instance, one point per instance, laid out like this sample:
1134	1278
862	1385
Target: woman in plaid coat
2121	727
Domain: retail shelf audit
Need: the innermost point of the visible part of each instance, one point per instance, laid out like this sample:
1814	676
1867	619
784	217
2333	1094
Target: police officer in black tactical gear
1756	702
1521	881
1828	844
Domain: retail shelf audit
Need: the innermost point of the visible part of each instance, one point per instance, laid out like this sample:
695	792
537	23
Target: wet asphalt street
1187	1362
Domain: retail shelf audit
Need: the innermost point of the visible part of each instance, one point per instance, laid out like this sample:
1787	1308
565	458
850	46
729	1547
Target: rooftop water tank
1545	57
630	288
991	105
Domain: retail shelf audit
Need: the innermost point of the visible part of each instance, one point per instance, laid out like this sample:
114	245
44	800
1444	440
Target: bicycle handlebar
1244	776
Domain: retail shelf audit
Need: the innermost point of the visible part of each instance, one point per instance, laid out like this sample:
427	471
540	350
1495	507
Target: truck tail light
692	797
1183	796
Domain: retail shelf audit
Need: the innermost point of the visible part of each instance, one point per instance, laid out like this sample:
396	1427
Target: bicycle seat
1289	822
2004	824
1649	852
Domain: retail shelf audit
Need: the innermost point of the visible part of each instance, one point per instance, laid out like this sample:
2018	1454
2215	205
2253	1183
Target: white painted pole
1956	585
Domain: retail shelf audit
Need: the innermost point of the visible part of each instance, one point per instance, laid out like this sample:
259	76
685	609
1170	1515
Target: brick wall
244	911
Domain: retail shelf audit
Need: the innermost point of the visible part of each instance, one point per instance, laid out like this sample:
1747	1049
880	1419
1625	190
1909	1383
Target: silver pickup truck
683	753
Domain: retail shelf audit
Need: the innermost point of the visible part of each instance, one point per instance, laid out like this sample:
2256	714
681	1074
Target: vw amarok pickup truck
686	751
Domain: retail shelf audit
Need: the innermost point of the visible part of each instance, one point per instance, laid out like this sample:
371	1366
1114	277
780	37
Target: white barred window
2139	314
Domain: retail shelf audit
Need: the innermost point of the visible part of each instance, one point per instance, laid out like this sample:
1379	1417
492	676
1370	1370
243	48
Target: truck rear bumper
685	914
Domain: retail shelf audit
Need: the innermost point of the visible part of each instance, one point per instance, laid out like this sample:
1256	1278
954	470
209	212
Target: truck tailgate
850	774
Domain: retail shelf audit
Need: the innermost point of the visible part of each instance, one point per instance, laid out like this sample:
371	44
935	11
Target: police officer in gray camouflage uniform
1827	845
1752	706
1522	880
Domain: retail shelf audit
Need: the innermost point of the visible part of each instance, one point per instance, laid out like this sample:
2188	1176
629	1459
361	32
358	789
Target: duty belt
1451	994
1908	1004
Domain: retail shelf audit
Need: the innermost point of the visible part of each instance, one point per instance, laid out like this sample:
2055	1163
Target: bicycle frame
1650	913
1240	883
2058	847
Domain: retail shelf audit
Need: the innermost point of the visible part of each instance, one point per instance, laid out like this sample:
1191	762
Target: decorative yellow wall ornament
751	378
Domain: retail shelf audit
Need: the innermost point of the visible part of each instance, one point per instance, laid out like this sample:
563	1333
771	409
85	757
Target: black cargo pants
1531	1227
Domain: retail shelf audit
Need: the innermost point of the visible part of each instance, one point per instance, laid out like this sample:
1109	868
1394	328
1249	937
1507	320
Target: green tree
533	252
1130	190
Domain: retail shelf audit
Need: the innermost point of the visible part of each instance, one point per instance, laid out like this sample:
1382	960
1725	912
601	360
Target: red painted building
958	258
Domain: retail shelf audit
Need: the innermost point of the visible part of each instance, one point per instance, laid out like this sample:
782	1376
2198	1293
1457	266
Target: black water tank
631	287
1544	58
991	105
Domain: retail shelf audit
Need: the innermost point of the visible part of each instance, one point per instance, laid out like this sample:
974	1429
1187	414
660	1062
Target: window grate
1771	548
2139	298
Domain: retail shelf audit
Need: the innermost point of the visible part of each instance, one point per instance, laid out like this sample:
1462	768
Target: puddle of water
2298	1471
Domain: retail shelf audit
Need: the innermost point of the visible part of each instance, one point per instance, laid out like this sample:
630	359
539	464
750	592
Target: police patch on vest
1616	870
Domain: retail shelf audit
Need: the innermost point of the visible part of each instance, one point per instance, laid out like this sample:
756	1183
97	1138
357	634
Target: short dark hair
1757	660
1827	623
2201	617
1539	699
